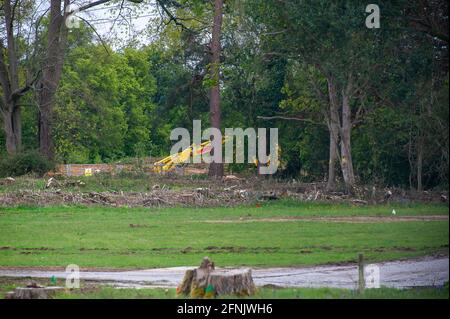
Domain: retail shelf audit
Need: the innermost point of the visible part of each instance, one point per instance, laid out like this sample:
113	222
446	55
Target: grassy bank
267	293
91	290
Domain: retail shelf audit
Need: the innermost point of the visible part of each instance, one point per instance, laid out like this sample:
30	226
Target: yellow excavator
180	159
277	157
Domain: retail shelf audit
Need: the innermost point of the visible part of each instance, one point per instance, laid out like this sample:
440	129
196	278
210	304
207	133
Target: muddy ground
428	271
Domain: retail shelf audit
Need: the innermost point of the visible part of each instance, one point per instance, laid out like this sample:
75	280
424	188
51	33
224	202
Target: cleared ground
101	237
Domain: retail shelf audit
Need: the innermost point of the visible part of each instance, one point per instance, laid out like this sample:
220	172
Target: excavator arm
169	163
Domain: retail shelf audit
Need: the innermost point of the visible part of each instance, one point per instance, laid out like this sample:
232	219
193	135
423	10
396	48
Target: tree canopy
352	103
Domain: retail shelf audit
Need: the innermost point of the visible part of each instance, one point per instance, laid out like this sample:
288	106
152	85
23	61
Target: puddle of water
398	274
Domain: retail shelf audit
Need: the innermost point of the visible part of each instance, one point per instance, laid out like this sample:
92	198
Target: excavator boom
169	163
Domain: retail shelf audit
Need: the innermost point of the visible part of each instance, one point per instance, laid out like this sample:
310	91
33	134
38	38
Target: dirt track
408	273
349	219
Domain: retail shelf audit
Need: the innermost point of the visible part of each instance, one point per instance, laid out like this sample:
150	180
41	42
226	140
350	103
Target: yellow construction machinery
180	159
169	163
277	157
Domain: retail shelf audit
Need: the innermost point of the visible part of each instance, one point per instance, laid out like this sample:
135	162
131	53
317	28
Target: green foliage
103	105
30	162
395	114
276	59
376	153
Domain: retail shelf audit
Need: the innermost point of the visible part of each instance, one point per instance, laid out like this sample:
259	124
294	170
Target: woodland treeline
353	104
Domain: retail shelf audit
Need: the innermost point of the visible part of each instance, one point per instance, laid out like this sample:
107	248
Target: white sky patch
120	26
119	23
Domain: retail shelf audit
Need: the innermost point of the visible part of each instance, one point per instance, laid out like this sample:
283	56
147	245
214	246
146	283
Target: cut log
206	281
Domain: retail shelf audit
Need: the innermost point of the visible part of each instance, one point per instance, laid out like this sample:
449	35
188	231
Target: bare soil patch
349	219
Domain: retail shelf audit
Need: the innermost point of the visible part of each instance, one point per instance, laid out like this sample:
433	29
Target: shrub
25	163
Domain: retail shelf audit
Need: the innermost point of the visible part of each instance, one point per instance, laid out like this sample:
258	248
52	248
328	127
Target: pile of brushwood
200	193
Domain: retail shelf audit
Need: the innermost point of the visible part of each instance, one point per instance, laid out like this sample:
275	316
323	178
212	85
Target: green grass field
267	293
94	291
142	238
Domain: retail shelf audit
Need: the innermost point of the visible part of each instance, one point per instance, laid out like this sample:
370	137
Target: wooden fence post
361	280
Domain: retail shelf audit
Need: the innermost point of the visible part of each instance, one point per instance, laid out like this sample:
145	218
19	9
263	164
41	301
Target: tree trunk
9	81
340	135
419	163
51	75
13	129
17	123
46	146
11	144
215	169
333	128
346	153
331	183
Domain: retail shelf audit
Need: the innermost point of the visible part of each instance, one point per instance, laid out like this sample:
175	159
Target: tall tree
10	108
48	72
51	74
216	169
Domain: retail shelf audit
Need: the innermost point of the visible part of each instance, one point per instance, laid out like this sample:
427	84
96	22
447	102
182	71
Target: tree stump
33	293
206	281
